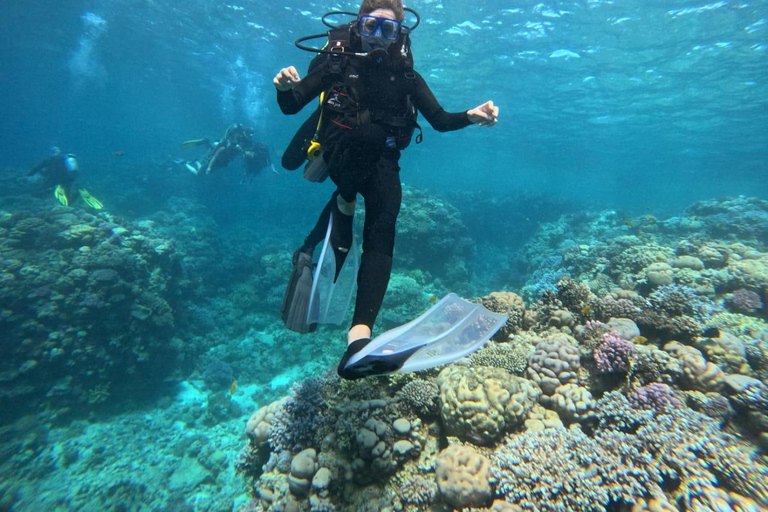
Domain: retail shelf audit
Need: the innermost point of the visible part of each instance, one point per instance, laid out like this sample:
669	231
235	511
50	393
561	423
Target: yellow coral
463	476
480	404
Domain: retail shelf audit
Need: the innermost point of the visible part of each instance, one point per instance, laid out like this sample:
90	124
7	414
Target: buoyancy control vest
343	105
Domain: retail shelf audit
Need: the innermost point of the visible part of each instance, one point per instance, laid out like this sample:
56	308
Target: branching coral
421	396
297	422
561	469
687	449
512	357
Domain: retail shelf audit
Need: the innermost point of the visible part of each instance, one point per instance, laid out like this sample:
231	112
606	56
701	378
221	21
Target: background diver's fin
451	329
193	143
90	200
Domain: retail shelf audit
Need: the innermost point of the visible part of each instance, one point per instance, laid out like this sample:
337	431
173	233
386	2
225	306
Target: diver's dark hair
371	5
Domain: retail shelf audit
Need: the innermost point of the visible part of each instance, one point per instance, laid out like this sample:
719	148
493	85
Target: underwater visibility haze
617	214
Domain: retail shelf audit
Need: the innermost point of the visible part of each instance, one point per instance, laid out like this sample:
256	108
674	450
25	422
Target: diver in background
369	103
57	174
237	140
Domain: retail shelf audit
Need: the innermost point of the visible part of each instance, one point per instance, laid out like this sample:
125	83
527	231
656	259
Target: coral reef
432	237
88	305
512	357
421	396
624	384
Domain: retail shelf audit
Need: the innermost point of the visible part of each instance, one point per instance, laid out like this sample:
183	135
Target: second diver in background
56	175
237	141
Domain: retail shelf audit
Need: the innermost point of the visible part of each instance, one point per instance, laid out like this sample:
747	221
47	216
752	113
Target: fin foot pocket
371	365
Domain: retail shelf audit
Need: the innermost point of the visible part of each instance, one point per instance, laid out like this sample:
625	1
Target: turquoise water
138	339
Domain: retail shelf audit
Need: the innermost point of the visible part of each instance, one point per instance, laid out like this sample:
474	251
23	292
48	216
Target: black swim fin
298	293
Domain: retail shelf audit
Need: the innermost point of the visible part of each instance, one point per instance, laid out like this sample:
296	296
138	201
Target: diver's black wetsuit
362	161
255	158
54	171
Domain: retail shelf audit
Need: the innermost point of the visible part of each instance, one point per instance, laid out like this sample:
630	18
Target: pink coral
745	301
614	353
654	396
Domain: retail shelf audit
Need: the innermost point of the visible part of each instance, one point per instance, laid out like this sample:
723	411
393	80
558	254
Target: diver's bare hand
486	114
287	79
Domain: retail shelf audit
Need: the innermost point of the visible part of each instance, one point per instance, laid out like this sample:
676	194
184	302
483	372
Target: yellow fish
233	387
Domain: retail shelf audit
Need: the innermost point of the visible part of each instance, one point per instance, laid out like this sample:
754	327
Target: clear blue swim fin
329	301
451	329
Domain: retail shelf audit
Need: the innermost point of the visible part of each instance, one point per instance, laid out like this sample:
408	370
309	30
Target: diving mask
370	26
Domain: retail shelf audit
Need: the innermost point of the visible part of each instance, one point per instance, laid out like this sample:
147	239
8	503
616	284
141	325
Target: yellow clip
314	150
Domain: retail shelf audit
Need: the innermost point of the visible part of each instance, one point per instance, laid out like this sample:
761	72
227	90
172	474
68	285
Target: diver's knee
381	235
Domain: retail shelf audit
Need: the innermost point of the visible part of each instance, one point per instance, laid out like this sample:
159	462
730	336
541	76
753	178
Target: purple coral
746	301
610	306
654	397
614	353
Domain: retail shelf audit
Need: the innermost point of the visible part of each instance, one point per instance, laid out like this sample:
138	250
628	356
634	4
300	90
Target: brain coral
698	373
463	476
554	362
480	404
573	403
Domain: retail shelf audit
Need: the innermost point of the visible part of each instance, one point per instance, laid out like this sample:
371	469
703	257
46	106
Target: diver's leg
321	226
351	167
382	195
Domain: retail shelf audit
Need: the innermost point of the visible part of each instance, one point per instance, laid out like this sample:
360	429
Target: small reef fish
433	298
233	387
118	153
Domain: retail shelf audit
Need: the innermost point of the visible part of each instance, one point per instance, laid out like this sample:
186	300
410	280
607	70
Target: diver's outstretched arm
486	114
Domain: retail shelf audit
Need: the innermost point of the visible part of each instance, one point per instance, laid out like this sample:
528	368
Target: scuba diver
56	174
369	98
237	140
